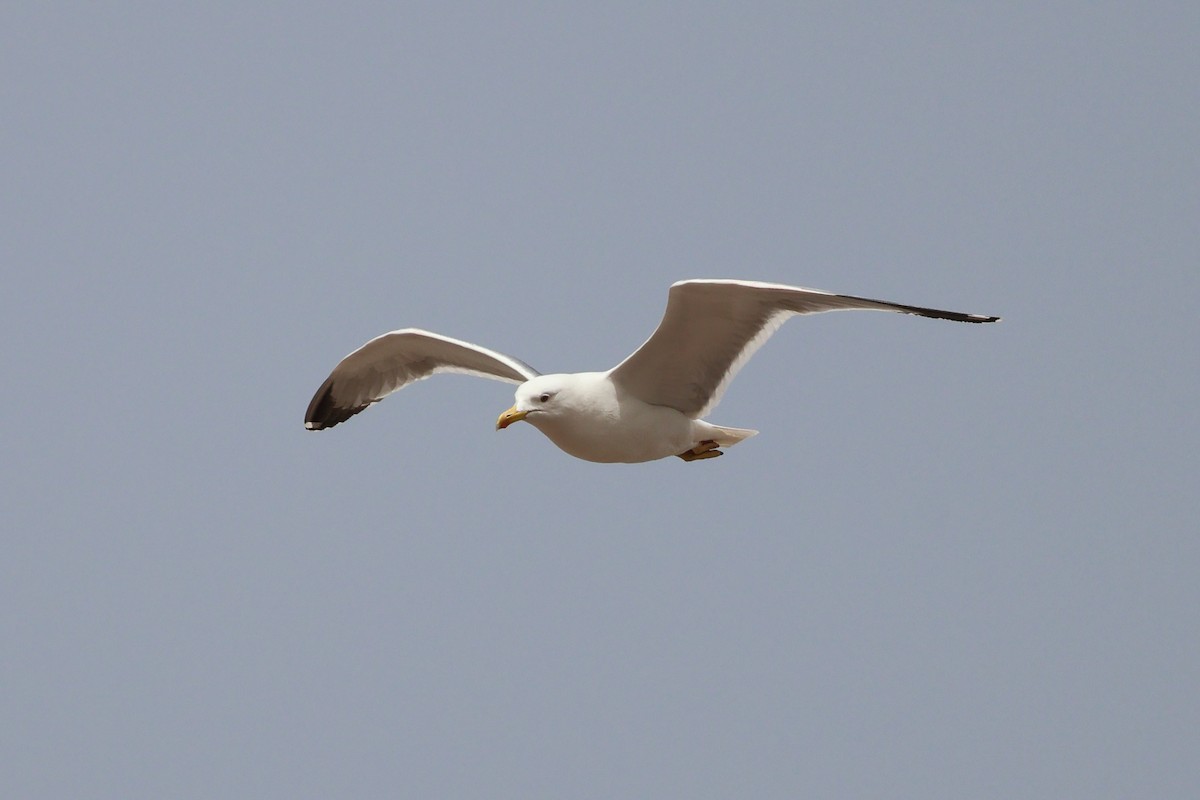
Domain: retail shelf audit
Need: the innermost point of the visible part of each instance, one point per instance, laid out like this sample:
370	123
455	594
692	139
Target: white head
539	399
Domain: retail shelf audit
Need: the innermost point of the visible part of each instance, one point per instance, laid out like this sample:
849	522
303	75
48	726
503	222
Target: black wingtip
324	413
953	316
922	311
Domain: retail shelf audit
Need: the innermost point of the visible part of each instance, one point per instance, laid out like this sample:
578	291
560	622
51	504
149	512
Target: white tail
726	437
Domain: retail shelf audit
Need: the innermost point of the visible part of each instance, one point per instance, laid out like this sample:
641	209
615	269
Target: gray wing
392	361
712	327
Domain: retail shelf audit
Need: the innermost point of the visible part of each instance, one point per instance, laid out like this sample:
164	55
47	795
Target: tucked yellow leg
706	449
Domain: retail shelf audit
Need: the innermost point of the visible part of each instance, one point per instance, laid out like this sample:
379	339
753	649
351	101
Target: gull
645	408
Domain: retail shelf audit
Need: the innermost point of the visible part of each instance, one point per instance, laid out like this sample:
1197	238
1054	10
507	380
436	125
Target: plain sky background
958	562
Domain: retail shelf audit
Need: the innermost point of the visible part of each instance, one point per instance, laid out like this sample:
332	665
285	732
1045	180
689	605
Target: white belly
626	431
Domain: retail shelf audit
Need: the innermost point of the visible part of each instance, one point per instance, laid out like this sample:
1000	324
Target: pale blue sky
959	561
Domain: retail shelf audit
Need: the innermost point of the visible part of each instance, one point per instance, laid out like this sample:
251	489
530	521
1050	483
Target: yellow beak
509	417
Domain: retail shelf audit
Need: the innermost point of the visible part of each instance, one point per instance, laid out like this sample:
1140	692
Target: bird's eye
544	398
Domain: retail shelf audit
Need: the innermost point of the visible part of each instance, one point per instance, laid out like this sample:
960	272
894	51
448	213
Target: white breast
596	422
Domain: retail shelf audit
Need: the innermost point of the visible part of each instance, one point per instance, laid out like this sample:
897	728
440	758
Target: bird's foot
706	449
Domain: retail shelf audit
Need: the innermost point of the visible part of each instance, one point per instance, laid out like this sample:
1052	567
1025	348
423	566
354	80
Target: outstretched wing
392	361
712	327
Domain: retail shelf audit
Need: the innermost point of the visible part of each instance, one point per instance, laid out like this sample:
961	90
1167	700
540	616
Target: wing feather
711	328
392	361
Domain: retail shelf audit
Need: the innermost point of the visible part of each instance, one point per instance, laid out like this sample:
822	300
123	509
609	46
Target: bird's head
537	400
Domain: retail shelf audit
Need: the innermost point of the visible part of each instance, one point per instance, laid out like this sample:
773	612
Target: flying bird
649	406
